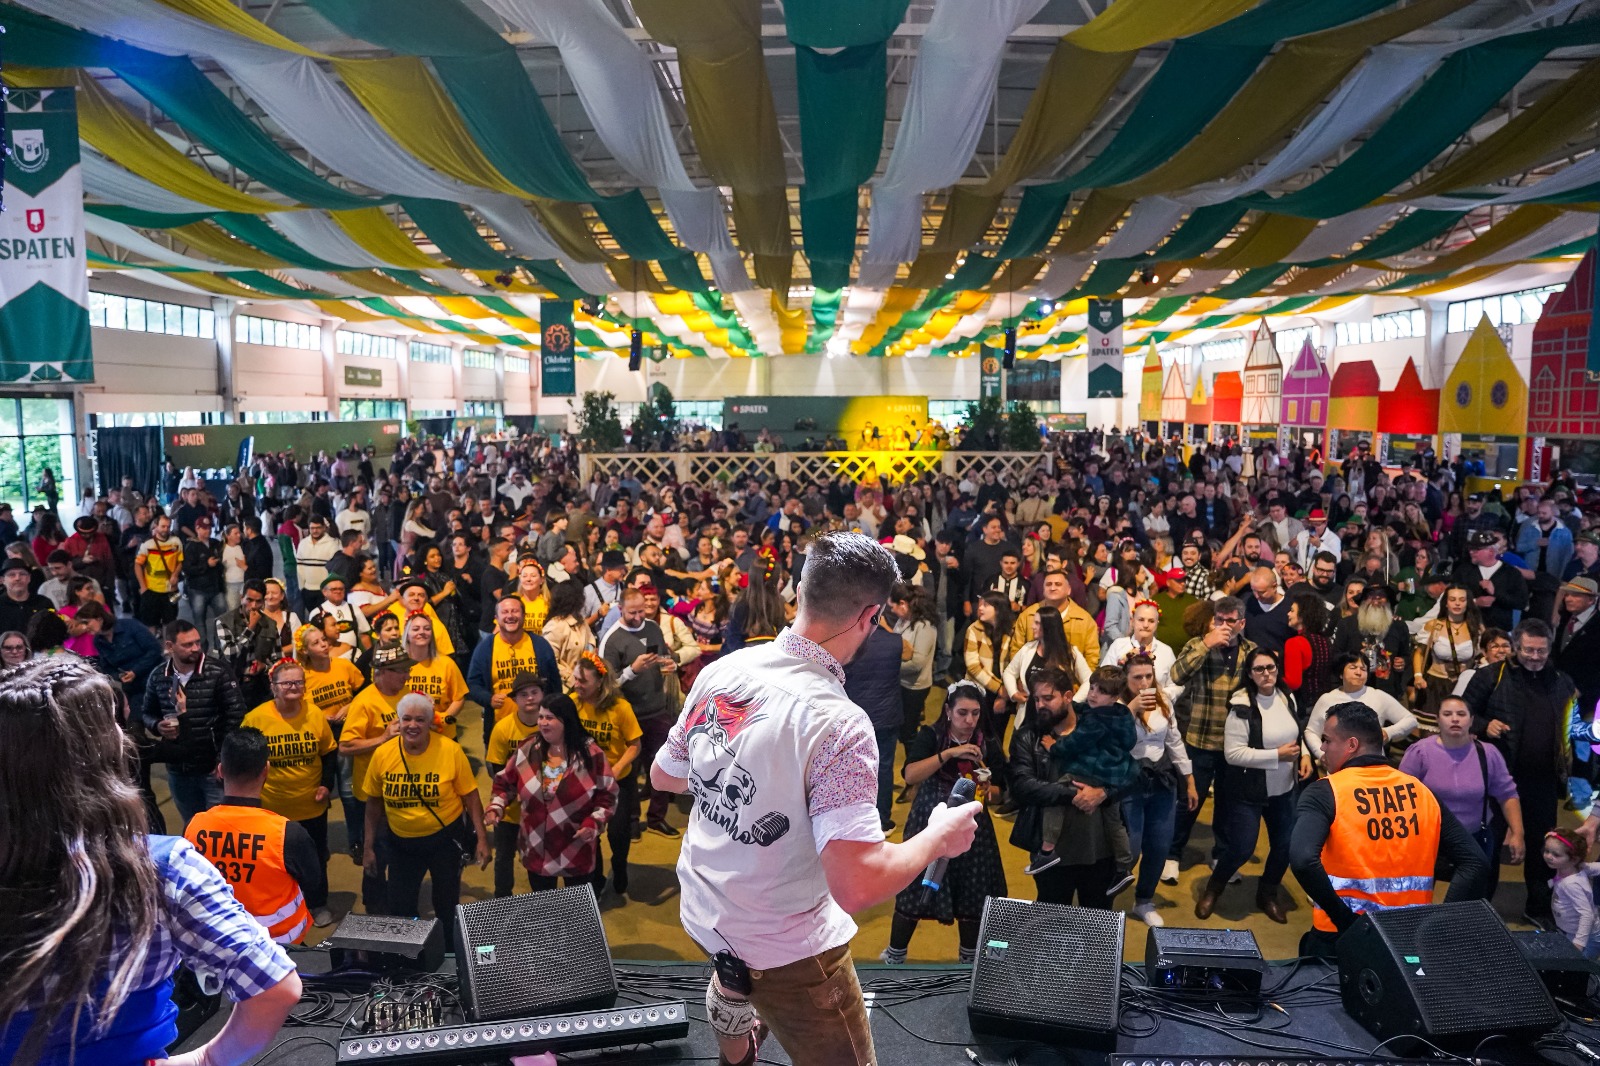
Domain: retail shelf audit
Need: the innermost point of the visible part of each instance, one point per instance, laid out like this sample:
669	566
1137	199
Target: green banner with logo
989	374
558	372
44	283
1105	349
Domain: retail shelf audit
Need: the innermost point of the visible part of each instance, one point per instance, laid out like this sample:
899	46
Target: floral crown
597	664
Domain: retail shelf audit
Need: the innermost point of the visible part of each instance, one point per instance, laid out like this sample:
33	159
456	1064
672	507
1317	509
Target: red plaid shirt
551	819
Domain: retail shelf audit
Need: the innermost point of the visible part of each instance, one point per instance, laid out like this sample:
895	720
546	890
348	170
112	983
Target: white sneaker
1169	872
324	917
1146	913
1235	879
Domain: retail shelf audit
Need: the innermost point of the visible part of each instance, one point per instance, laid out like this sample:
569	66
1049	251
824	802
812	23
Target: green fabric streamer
635	227
1201	232
1251	282
683	272
188	97
842	23
273	287
483	77
253	230
448	226
132	216
1038	216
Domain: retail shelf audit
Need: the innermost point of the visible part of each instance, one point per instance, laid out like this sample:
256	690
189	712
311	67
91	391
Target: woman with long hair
1265	758
441	586
48	534
1150	805
986	648
1046	650
1412	584
303	769
562	781
757	615
954	747
99	915
275	608
916	624
434	674
535	596
609	718
1446	646
1308	654
566	628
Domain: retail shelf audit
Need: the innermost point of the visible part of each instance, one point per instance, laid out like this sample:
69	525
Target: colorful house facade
1150	387
1352	406
1174	398
1263	382
1408	416
1562	399
1305	390
1483	407
1227	400
1199	413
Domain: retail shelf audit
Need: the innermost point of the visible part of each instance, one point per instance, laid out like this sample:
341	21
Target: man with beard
1546	545
1382	640
1323	579
1501	590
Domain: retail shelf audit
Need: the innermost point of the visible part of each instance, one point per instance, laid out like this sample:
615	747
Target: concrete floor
646	927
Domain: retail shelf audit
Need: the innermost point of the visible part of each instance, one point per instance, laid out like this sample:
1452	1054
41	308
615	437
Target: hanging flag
1593	358
1105	349
44	282
558	373
989	378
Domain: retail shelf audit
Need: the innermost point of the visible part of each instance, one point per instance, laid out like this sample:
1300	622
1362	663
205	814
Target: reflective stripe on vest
1383	843
246	845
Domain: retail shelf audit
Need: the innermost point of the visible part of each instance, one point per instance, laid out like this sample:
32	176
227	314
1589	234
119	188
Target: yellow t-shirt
508	735
295	747
440	680
162	560
614	730
535	612
370	712
438	778
441	636
331	690
506	662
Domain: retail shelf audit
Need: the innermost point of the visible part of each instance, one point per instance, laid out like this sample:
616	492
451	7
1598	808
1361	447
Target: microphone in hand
961	793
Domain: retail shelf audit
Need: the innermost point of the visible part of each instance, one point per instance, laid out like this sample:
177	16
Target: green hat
331	578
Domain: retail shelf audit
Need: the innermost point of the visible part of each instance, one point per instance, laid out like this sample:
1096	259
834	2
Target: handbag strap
1483	768
416	788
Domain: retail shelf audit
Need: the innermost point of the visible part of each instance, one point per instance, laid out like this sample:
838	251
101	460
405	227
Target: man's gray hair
845	573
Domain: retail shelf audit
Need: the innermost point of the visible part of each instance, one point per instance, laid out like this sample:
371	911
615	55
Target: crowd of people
1106	645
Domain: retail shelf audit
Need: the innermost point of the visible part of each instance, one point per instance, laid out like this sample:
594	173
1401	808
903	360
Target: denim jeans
1244	827
888	740
193	793
942	650
204	610
1208	767
1150	811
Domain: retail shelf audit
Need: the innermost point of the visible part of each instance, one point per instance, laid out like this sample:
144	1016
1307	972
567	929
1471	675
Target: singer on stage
784	842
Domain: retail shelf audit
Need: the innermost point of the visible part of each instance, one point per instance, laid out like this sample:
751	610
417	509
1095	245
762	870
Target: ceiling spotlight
591	307
1147	276
1046	307
504	279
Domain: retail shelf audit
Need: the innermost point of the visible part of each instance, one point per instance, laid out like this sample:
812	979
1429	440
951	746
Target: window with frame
110	311
276	333
1508	309
423	352
483	409
478	358
1394	325
1226	348
370	345
358	410
517	364
1288	342
137	419
280	418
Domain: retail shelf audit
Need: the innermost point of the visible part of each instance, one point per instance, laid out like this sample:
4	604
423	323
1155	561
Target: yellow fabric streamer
224	15
1558	117
773	272
1466	277
1071	92
729	102
218	284
1270	239
105	123
340	309
1515	226
376	283
568	227
1313	278
929	270
967	214
465	307
212	240
1099	211
1017	274
1129	25
1286	88
376	233
791	327
635	275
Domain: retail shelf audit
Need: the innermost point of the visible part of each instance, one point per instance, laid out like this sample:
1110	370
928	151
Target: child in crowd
1098	752
1572	898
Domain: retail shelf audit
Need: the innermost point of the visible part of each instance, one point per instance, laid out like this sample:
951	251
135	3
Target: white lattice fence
1019	465
654	468
728	467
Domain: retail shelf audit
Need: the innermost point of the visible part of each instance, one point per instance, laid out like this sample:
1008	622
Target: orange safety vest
1383	843
246	844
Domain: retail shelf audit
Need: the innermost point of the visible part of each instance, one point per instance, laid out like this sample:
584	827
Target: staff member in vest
304	770
420	784
784	842
502	655
262	854
105	933
368	724
1367	837
509	732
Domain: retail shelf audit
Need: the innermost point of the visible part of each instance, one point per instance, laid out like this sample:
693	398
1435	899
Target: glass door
36	436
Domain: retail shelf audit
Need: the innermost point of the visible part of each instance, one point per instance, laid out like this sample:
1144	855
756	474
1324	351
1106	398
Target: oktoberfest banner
44	283
558	373
989	375
1105	349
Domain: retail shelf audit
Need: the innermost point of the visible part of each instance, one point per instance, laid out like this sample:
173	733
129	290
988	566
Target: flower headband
282	664
597	664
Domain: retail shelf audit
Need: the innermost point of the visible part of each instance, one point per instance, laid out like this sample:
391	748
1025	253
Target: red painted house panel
1408	408
1227	397
1562	401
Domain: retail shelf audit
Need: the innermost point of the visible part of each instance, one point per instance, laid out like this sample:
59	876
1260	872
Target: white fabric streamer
132	240
1148	224
319	235
1060	277
105	180
1338	234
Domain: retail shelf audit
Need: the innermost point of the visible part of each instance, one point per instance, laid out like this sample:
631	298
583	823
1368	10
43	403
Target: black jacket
1510	592
1313	821
1246	783
202	567
1035	786
1579	658
872	680
214	707
1508	693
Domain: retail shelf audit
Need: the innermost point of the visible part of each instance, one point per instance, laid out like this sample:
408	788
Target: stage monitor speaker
542	953
1562	967
635	350
1203	960
1010	355
1448	972
1047	972
375	942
